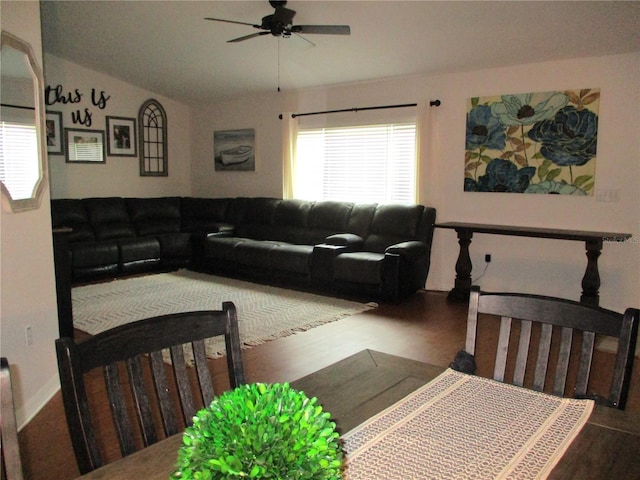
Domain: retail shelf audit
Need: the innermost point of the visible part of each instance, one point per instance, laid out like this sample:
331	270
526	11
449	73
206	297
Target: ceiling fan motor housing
278	22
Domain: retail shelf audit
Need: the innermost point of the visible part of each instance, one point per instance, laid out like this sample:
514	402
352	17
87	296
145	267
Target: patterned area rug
264	312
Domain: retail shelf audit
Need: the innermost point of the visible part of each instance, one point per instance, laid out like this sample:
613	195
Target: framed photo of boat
234	150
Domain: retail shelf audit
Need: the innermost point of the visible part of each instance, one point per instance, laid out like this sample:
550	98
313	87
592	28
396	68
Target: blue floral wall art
532	143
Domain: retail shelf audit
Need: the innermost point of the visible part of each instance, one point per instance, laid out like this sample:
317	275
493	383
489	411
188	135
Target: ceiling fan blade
305	39
247	37
232	21
322	29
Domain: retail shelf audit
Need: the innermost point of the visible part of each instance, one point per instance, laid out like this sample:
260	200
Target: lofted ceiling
167	47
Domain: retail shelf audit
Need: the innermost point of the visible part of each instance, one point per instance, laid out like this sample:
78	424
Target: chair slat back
11	464
137	348
571	318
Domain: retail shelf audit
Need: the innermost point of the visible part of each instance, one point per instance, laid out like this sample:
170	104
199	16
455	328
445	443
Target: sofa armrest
350	240
412	250
226	231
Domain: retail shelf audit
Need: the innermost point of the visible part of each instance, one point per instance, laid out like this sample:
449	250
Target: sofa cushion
360	219
152	216
393	224
222	248
204	214
325	219
174	245
255	253
94	254
140	248
291	219
359	267
291	258
70	212
258	220
109	218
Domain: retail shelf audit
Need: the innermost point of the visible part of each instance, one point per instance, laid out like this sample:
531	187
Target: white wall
549	267
27	286
118	176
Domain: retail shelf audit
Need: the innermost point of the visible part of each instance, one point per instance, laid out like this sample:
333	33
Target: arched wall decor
152	121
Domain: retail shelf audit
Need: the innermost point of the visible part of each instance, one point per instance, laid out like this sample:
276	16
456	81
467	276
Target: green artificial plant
261	431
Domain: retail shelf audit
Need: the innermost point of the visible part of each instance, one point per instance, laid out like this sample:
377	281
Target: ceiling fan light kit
280	24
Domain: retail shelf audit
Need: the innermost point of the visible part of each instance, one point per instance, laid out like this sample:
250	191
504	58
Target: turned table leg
591	279
462	285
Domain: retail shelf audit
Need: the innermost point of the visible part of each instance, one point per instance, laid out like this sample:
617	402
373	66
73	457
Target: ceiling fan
280	24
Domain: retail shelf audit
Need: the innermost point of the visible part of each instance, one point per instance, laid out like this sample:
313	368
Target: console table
593	245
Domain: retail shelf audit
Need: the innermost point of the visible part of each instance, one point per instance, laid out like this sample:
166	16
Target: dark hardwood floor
425	327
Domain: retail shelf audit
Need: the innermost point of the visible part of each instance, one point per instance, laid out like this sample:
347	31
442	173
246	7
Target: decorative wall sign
121	137
234	150
532	143
55	143
58	95
84	146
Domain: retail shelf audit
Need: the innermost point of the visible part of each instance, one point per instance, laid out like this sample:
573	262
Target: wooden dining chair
156	390
9	448
568	317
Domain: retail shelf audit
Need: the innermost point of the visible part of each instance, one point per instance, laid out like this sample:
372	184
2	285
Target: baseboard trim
37	402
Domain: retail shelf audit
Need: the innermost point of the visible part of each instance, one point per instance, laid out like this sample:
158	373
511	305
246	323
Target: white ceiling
168	48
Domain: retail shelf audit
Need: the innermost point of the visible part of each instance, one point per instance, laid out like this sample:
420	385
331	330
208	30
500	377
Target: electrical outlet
487	257
28	336
608	195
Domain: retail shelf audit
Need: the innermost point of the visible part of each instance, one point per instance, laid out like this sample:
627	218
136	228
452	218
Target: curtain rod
8	105
432	103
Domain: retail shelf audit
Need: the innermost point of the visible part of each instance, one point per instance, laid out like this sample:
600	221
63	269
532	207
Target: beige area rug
264	312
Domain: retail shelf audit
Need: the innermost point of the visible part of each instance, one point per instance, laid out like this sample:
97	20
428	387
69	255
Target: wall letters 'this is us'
57	94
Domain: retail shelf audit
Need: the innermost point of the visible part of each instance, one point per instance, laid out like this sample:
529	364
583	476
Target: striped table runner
460	426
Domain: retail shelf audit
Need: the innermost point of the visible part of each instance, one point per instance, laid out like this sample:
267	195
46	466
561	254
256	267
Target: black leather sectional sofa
379	251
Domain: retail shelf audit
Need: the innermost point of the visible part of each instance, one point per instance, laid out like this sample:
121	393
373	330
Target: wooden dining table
361	386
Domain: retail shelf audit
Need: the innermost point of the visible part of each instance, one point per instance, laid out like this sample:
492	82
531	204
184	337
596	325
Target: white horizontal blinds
374	163
18	148
86	149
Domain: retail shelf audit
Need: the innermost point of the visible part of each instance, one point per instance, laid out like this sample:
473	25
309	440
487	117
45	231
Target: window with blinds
18	148
374	163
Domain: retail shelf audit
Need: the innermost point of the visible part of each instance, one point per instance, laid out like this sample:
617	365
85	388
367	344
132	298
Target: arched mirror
22	127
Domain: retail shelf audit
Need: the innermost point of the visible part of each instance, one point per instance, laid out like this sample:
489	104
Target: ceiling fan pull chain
278	64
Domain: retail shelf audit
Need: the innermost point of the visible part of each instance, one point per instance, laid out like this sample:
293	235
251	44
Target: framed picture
55	143
234	150
121	137
84	146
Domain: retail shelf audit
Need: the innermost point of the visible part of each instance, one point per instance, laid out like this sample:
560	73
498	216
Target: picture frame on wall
55	141
84	146
121	137
234	150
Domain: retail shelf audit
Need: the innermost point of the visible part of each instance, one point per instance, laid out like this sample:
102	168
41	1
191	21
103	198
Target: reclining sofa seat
160	219
394	259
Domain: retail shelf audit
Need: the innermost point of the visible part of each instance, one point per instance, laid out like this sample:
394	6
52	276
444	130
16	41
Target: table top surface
562	234
362	385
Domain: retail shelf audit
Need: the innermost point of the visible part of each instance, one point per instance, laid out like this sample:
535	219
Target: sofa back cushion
393	224
109	218
70	212
204	214
291	220
360	219
326	218
153	216
258	220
